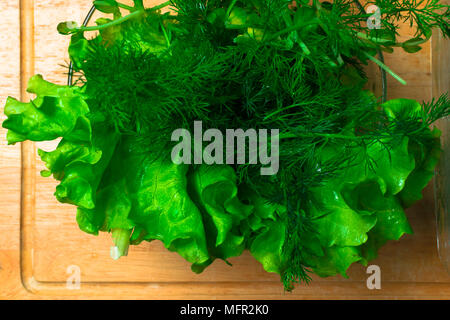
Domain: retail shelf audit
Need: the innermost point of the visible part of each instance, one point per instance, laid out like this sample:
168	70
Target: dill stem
376	40
303	46
123	19
124	6
290	29
360	6
113	23
165	34
380	55
160	6
361	16
139	4
315	134
230	7
386	68
383	41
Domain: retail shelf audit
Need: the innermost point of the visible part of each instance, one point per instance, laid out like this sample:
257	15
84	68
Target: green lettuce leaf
392	222
389	164
336	260
166	211
267	246
111	212
265	230
343	223
336	222
426	158
85	149
54	113
426	152
215	191
154	200
80	166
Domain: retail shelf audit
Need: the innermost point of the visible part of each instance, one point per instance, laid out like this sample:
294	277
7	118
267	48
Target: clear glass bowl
441	84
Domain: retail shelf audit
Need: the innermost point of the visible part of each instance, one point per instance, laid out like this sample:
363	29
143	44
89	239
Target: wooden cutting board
42	249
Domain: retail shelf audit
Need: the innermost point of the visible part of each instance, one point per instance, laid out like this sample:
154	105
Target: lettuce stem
121	239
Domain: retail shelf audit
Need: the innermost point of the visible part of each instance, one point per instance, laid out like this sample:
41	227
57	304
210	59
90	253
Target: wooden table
41	246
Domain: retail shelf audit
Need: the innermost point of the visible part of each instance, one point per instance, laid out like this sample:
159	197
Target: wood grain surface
40	240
